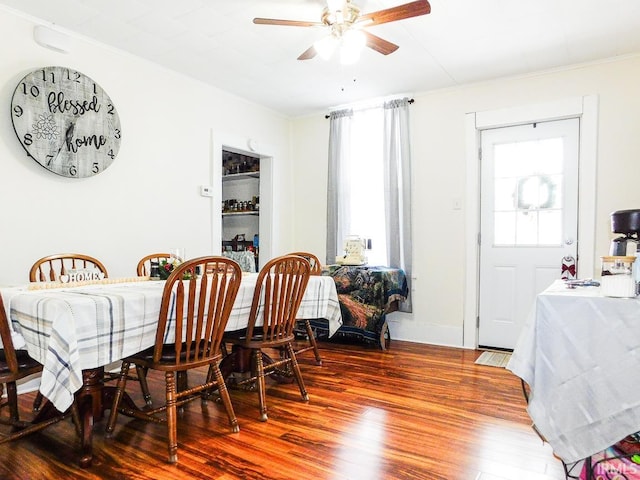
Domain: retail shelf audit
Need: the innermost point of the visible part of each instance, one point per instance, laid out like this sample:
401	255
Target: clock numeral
95	168
76	76
44	76
27	139
118	133
34	90
73	170
18	111
111	154
110	109
49	159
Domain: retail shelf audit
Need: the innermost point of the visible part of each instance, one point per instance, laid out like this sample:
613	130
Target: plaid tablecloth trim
69	330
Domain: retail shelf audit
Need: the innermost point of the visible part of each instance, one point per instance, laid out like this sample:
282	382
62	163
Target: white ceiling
460	41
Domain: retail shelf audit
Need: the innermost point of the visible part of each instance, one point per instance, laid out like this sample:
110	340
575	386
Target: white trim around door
585	108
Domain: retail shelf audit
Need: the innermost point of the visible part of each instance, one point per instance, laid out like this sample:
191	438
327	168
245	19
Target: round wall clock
66	122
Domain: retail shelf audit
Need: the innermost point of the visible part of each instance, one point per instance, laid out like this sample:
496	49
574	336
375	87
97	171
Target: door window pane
526	228
528	193
504	189
550	231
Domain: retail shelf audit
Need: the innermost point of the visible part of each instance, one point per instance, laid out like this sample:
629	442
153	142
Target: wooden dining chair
279	290
144	265
314	262
316	269
16	365
194	341
49	269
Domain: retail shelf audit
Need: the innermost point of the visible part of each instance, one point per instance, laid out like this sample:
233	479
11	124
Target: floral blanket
367	294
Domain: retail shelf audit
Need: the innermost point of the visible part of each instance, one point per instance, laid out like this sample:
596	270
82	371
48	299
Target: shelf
236	214
238	245
240	176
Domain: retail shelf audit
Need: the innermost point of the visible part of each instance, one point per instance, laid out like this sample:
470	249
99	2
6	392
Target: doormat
494	359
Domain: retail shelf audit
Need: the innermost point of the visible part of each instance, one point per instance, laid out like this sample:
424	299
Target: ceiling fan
346	27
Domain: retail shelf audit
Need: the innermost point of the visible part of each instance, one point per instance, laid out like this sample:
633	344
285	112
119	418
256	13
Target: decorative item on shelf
232	205
82	275
167	265
237	164
238	240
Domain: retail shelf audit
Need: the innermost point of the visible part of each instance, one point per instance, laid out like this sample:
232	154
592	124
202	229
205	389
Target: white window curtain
397	178
339	190
397	185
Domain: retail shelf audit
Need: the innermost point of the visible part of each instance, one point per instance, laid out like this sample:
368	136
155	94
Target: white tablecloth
580	354
72	329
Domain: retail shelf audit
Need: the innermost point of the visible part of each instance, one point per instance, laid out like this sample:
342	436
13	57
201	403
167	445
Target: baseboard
404	327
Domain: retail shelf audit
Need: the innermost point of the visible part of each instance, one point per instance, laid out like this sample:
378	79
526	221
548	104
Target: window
369	183
366	174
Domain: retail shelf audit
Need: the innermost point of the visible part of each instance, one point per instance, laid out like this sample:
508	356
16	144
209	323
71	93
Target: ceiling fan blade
308	54
378	44
286	23
408	10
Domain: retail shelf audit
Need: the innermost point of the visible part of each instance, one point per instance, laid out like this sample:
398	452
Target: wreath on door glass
546	190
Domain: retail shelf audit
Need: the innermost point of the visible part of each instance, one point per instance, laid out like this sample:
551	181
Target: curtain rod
411	100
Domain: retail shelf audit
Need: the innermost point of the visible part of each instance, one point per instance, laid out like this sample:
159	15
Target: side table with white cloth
76	331
579	352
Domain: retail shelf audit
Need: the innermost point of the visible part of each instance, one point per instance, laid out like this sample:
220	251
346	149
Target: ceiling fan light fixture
344	21
353	41
326	46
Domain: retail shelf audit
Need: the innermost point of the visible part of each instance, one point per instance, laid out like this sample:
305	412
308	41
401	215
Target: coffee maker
626	222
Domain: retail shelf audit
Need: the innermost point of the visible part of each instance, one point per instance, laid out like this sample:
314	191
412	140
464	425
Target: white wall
310	150
438	152
149	199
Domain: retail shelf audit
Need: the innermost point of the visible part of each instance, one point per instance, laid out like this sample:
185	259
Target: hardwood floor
412	412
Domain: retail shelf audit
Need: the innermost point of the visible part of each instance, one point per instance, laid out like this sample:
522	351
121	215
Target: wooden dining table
75	331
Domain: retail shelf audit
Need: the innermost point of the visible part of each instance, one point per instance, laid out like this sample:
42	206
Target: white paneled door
528	221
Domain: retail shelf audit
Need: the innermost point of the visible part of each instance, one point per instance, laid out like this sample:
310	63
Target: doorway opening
242	214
